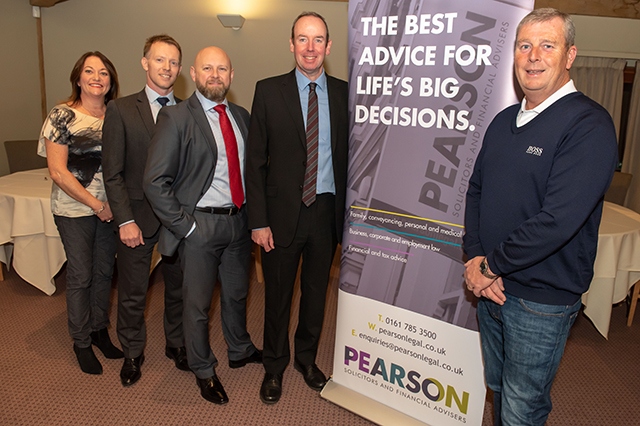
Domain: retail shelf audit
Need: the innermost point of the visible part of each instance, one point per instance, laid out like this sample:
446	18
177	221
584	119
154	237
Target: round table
27	230
617	265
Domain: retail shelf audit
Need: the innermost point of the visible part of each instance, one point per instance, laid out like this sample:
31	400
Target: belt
229	211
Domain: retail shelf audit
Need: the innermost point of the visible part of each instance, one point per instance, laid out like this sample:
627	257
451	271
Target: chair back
22	155
617	192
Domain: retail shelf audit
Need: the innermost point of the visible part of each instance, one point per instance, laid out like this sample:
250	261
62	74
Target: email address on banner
416	343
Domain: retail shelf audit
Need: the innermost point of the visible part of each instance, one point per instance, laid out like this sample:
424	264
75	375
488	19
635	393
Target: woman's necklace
99	115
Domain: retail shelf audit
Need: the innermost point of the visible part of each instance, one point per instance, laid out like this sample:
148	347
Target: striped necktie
311	173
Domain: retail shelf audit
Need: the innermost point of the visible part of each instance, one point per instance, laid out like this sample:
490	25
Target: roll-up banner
426	79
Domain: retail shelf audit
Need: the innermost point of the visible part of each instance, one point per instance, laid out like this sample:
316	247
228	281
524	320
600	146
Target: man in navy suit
193	180
128	126
296	185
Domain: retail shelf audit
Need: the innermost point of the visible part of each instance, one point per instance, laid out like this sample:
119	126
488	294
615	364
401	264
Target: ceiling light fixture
231	21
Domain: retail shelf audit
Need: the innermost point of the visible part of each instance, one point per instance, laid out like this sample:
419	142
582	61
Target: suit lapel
195	108
244	131
334	100
292	100
144	109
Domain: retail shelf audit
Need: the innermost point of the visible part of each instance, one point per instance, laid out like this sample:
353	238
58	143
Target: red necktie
311	172
233	161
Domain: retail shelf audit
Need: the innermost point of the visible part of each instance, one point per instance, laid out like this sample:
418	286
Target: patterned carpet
41	384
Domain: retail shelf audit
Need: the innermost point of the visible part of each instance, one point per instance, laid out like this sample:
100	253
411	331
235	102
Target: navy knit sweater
535	198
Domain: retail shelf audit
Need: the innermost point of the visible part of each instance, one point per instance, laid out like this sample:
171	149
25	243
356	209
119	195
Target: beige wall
20	116
118	29
607	37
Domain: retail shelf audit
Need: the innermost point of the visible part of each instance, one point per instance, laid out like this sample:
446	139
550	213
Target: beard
214	94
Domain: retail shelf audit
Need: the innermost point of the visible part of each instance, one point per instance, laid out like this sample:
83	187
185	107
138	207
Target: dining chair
617	191
22	155
257	256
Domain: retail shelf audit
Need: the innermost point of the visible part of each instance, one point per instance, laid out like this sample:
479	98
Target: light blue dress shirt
219	193
153	96
325	182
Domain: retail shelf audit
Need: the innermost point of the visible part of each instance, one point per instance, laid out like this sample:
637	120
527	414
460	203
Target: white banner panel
412	362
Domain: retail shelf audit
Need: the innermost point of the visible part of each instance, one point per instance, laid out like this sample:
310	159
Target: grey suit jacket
180	166
126	135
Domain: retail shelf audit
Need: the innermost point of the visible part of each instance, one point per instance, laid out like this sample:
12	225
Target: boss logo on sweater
534	150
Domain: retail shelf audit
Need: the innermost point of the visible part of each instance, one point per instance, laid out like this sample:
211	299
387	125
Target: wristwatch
484	270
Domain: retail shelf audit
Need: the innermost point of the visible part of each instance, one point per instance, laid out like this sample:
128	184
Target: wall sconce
231	21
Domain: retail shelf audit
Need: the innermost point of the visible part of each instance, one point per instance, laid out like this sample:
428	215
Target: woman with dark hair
71	139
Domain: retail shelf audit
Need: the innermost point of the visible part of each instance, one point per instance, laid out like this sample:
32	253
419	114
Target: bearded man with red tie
193	180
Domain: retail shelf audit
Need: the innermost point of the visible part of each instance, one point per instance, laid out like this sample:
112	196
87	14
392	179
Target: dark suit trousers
219	247
133	282
316	242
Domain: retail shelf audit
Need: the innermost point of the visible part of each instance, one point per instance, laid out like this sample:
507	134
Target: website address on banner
417	355
413	341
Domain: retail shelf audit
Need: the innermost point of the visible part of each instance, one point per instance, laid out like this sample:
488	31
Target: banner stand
426	78
366	407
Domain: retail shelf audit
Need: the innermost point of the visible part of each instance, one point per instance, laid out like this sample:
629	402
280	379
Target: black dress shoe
254	358
271	388
211	389
313	377
130	372
87	360
179	356
101	339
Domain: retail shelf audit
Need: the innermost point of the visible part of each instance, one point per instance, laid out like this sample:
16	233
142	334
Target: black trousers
315	242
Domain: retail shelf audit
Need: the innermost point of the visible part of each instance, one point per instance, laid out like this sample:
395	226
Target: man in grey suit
193	180
128	127
296	188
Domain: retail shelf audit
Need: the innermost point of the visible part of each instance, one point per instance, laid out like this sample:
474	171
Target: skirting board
366	407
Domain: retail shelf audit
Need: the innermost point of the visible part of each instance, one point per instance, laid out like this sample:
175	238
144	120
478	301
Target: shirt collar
207	104
303	81
568	88
152	95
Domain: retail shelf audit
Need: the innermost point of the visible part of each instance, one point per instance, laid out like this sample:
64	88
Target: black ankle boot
101	339
87	360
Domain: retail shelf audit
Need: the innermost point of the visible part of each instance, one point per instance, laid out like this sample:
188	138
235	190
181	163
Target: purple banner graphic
426	79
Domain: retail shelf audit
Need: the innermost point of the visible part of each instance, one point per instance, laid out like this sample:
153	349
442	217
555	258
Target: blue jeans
522	343
90	246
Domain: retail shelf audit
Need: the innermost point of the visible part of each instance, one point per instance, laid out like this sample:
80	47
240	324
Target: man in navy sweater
533	210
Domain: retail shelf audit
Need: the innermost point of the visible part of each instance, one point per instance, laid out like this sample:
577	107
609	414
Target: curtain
601	79
631	159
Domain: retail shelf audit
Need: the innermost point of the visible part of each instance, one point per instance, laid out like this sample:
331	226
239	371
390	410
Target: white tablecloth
617	265
26	222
